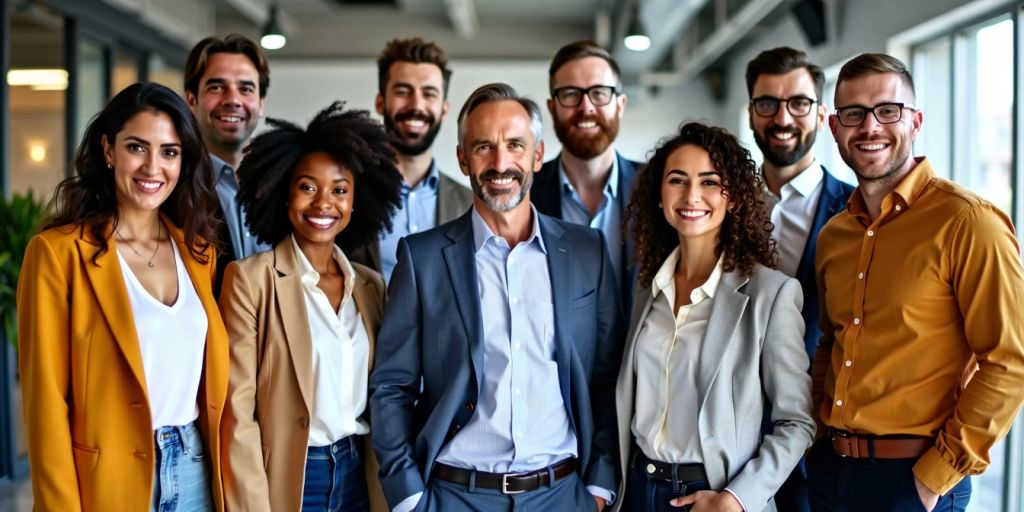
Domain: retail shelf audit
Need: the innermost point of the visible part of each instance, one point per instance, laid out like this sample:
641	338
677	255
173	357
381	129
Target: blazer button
303	422
470	406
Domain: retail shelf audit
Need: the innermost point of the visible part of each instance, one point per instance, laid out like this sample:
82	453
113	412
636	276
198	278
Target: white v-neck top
172	340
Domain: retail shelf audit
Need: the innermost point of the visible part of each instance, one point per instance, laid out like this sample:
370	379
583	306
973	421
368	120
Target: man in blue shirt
412	97
588	182
499	349
226	83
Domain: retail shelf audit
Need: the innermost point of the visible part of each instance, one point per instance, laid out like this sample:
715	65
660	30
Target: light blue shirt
243	241
418	212
608	218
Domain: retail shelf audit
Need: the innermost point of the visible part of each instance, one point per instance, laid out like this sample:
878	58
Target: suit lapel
291	306
112	295
562	278
829	204
459	257
726	311
362	293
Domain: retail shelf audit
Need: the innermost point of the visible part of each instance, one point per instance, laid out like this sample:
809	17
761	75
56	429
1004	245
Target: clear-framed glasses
885	113
571	97
768	106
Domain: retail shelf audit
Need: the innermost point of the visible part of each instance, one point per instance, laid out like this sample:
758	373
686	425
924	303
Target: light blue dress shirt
418	212
243	241
608	218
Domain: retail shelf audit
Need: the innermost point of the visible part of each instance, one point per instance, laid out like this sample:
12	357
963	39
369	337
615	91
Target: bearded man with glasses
919	370
589	182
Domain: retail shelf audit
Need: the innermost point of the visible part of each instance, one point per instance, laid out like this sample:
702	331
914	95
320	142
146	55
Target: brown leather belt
858	446
507	483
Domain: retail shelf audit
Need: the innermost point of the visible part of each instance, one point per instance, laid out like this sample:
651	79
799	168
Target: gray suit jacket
752	356
452	201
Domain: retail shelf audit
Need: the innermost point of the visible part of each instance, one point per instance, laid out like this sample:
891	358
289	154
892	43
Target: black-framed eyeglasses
885	113
768	106
571	97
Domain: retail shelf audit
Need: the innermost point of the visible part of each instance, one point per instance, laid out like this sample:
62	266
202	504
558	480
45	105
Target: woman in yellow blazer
122	350
302	319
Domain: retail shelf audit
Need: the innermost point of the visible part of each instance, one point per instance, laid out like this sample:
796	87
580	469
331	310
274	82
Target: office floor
15	496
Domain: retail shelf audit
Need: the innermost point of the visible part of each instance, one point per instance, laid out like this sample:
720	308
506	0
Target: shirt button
518	345
856	321
871	232
849	363
839	403
519	435
515	391
898	208
860	275
515	300
414	228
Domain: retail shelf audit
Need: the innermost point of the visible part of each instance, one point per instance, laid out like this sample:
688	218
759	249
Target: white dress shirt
793	214
667	354
341	356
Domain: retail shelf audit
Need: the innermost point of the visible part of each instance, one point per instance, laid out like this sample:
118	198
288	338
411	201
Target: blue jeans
335	479
843	484
645	493
181	481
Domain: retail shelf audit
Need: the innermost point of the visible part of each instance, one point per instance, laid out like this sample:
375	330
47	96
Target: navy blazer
546	195
433	330
834	194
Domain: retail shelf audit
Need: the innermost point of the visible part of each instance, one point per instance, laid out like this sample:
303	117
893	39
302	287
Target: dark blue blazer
546	195
834	194
433	330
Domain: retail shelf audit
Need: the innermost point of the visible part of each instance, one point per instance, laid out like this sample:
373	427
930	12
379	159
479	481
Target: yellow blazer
87	417
266	420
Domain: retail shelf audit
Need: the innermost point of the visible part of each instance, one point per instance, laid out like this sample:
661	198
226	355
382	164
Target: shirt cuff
408	504
734	495
602	493
935	473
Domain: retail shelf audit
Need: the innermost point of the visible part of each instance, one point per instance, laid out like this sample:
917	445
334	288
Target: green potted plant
20	219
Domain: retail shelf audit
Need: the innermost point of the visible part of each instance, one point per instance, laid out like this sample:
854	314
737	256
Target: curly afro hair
745	237
352	139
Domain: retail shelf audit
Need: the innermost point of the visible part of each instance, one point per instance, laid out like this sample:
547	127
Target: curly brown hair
745	237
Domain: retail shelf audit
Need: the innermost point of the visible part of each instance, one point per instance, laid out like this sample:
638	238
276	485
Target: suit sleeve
245	480
822	362
603	468
44	347
786	384
395	384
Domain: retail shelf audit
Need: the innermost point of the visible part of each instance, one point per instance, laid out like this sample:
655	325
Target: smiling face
413	105
499	154
586	130
228	105
876	152
320	199
692	197
784	139
146	160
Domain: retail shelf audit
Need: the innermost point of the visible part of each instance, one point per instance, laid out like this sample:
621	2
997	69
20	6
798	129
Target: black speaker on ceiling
810	15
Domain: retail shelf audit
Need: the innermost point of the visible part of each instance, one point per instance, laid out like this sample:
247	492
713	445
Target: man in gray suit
412	96
515	411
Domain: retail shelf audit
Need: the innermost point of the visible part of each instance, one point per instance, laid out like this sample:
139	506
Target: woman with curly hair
302	319
122	351
716	337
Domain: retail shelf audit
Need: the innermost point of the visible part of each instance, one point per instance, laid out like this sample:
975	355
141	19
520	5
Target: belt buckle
838	433
504	484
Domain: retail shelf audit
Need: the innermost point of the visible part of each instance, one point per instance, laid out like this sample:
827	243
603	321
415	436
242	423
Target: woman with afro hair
302	319
715	340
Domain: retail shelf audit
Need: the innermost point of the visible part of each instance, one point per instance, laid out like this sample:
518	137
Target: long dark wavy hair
88	199
354	140
745	237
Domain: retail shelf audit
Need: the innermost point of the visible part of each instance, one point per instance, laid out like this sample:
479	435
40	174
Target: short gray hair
500	92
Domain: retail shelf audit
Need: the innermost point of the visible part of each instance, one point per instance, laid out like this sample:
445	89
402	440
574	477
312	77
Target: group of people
317	318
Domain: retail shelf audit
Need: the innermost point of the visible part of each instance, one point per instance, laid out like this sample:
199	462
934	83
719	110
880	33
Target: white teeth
230	119
783	136
586	124
149	186
872	147
416	123
692	213
502	181
321	221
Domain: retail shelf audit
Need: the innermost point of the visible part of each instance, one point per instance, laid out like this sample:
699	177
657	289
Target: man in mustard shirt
920	369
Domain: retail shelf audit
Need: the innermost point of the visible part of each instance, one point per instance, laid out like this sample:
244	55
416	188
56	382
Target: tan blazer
266	421
87	418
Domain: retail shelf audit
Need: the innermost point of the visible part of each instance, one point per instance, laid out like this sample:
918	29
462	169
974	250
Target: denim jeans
180	478
335	481
645	493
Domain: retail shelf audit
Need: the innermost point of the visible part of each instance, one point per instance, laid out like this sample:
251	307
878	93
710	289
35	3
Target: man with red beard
919	371
412	96
786	114
226	82
588	182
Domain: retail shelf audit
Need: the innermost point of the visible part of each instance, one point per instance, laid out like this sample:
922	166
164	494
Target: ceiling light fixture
273	37
636	37
39	79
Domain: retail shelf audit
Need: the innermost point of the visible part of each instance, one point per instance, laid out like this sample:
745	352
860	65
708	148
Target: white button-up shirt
793	214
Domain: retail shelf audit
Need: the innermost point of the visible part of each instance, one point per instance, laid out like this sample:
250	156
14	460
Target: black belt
668	472
507	483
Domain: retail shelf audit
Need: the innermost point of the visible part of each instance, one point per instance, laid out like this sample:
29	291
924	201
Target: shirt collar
482	232
665	279
807	180
429	181
905	193
611	188
310	276
220	167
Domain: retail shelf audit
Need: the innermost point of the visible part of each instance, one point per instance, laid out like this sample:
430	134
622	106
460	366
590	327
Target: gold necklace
139	253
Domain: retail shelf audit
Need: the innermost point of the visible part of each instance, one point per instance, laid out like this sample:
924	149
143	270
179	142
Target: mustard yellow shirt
922	326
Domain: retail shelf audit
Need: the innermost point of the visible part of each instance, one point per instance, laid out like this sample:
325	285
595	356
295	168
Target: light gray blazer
752	358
